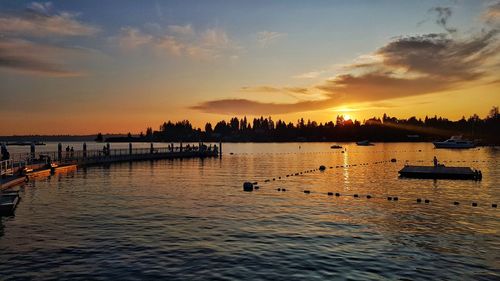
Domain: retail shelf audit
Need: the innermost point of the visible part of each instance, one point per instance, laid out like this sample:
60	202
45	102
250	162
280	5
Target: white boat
364	143
454	142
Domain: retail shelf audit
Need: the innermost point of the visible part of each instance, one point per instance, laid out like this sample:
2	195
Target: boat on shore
454	142
364	143
335	146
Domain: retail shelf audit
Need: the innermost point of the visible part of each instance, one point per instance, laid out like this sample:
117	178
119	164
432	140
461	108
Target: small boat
364	143
335	146
8	202
454	142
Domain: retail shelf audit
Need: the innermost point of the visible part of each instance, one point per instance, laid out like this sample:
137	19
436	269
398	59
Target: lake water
190	219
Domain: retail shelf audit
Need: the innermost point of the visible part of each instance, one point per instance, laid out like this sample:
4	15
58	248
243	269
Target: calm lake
191	220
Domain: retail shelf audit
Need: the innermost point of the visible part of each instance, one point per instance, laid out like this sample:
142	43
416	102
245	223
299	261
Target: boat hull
453	146
8	203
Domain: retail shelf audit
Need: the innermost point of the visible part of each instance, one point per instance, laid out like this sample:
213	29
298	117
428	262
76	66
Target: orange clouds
404	67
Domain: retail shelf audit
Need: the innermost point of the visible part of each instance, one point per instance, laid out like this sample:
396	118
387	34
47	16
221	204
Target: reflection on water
190	219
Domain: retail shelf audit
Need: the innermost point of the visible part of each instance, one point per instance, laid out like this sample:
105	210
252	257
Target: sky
82	67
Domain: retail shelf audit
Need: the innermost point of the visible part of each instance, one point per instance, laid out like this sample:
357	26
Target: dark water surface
190	219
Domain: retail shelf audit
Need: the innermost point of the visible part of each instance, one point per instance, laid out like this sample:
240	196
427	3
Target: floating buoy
368	196
274	179
247	186
393	160
395	198
283	189
356	196
474	204
307	191
256	187
337	194
279	189
255	182
493	205
322	168
419	200
266	181
427	201
330	193
389	198
456	203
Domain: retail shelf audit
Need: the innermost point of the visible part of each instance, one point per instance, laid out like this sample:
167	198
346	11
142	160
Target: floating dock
440	172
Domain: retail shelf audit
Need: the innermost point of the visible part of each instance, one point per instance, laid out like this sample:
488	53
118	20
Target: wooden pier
15	170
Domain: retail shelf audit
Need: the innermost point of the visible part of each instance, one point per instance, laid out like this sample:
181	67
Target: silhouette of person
5	153
67	152
435	161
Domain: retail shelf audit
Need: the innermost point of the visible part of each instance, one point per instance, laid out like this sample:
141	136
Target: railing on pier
6	167
105	155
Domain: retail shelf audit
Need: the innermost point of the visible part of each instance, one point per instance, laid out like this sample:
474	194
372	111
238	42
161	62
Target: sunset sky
81	67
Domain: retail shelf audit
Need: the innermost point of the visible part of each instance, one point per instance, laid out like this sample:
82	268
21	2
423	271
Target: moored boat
454	142
364	143
8	202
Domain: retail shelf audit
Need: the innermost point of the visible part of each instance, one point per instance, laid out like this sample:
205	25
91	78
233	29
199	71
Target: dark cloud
25	56
38	20
443	15
269	89
379	86
245	106
440	56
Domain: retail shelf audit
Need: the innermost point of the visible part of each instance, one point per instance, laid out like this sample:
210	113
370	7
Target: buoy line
247	186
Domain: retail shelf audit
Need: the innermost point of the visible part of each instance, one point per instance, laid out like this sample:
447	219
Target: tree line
375	129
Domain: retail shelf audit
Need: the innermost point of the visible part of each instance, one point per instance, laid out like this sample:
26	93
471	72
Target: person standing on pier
67	152
436	163
5	153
